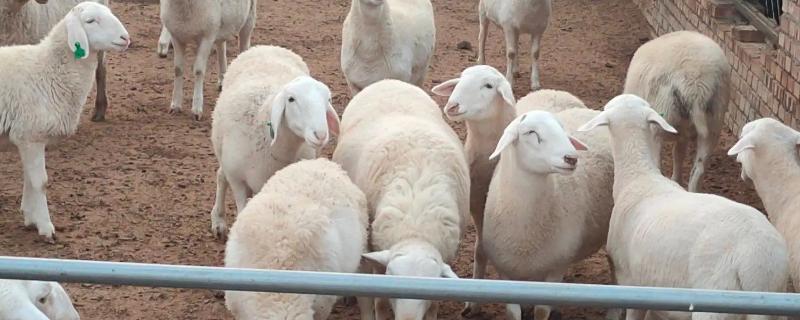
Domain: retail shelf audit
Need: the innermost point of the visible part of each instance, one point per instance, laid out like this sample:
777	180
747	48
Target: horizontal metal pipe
586	295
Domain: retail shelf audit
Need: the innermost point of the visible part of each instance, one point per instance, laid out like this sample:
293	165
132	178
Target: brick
722	9
747	33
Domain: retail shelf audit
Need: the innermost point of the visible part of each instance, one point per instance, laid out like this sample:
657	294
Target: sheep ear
333	120
446	88
579	145
657	119
76	36
276	115
447	272
598	121
510	134
741	145
378	257
505	90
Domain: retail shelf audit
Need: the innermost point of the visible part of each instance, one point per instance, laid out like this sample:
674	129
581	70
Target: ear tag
79	52
271	131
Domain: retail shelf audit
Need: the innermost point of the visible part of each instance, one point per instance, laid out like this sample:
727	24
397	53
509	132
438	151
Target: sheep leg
635	314
382	309
615	313
535	49
707	137
542	312
512	37
479	267
222	59
163	42
34	197
239	190
218	226
513	312
678	154
482	33
433	311
366	306
247	30
101	101
179	59
200	64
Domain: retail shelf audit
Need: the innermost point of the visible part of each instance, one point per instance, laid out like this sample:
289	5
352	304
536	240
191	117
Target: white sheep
662	235
483	99
515	17
35	300
24	22
387	39
549	100
43	91
544	211
410	164
206	23
271	114
768	152
685	76
309	216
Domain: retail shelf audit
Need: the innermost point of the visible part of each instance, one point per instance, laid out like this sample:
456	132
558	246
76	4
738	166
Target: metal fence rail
175	276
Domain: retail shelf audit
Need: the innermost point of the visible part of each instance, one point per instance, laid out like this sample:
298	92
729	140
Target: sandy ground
140	186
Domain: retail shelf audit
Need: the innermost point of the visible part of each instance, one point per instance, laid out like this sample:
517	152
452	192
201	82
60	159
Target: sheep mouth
121	47
455	113
565	169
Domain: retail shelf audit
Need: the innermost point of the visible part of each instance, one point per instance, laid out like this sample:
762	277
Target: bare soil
139	187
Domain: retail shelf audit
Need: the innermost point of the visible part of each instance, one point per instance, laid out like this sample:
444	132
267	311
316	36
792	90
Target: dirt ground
140	186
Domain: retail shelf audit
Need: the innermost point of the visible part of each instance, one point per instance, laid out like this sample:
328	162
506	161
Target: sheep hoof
50	239
470	311
220	232
350	301
218	294
98	118
174	110
197	117
535	88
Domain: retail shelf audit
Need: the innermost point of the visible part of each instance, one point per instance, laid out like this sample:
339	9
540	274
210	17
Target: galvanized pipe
178	276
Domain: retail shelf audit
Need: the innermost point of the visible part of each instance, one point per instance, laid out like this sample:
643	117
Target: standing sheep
43	91
309	216
35	300
23	22
661	235
544	211
271	114
410	164
387	39
483	99
207	23
768	152
685	77
515	17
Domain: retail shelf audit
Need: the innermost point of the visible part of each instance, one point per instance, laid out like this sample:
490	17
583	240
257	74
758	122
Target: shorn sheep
685	76
768	152
515	17
207	23
661	235
35	300
43	91
25	22
271	114
309	216
483	99
387	39
398	149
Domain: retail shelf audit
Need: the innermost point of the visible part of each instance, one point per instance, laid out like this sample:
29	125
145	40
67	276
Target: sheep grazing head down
541	144
92	27
304	105
473	96
413	259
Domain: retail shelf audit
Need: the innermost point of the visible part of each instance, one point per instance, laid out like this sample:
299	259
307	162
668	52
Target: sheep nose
127	39
451	108
571	160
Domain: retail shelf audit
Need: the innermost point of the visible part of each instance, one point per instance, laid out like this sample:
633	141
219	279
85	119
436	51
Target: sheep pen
139	187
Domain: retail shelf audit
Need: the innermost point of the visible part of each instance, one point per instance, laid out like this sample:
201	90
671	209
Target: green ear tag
271	132
662	114
79	52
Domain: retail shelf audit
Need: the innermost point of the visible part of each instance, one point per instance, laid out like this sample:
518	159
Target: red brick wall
765	76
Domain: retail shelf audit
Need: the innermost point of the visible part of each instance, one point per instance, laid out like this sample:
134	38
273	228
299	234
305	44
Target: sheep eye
489	86
539	139
42	300
291	99
91	20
